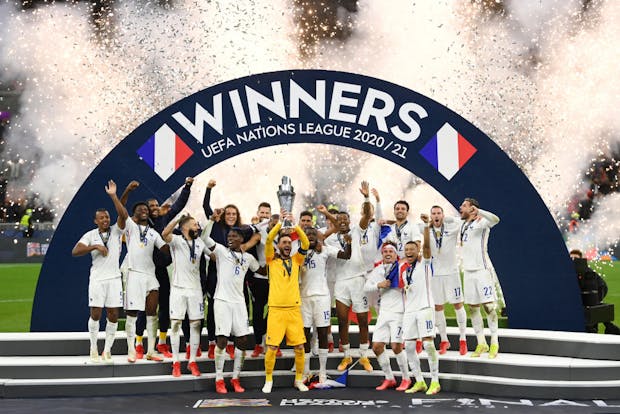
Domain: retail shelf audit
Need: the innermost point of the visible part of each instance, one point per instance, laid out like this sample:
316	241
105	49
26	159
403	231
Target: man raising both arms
446	281
230	311
350	278
142	286
477	277
284	317
185	290
105	287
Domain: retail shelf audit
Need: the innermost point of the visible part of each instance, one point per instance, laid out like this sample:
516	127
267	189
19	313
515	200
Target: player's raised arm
254	240
110	189
269	250
492	218
331	218
426	248
303	240
130	187
206	202
166	234
378	209
181	200
366	207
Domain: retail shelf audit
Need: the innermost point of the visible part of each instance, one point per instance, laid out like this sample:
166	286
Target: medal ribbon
464	229
192	250
308	257
106	238
238	260
341	240
143	238
288	265
439	240
409	272
399	229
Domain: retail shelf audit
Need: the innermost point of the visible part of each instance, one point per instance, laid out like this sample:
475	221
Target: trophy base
286	224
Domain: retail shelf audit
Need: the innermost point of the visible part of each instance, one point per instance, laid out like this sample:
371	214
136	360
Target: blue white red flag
448	151
164	152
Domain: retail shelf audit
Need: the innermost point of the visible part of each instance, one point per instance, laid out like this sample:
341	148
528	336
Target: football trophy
286	197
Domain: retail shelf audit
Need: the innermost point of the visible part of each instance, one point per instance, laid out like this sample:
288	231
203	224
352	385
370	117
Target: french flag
165	152
448	151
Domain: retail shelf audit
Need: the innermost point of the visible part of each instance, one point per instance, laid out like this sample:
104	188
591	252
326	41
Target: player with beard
418	320
142	286
389	327
185	293
446	281
315	299
350	278
258	283
105	287
403	230
284	318
477	277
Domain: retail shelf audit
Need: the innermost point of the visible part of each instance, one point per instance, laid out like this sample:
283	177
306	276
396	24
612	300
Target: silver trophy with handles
286	197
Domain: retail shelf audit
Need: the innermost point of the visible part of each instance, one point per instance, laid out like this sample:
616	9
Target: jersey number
326	315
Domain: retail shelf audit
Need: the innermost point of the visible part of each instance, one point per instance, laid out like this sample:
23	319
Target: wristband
366	199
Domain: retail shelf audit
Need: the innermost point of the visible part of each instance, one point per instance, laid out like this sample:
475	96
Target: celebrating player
389	327
141	292
258	283
315	298
477	277
418	320
185	291
230	313
402	230
105	287
284	318
446	281
350	278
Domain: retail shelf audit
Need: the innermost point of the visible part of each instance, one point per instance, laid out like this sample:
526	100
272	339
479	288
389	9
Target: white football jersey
369	244
391	299
186	273
104	267
417	282
231	270
141	240
355	266
474	236
443	247
260	246
402	234
313	273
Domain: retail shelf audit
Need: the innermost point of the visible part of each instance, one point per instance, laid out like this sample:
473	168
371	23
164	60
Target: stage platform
531	364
